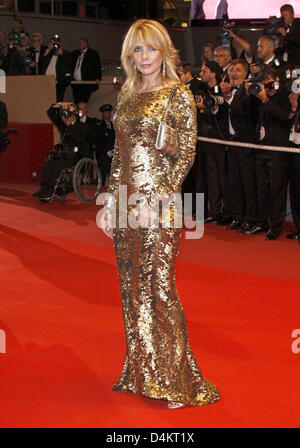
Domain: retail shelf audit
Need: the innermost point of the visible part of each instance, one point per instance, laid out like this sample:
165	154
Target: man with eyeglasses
37	50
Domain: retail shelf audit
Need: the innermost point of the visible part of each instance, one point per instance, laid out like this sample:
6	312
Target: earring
164	69
134	67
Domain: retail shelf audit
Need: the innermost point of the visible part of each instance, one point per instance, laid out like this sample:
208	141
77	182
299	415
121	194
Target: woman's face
147	59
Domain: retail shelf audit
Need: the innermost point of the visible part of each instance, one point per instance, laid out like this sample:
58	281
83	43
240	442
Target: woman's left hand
170	150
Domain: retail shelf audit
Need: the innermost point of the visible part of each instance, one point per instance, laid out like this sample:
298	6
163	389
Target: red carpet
60	308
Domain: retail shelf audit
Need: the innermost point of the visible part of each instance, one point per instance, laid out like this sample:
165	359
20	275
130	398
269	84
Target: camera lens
255	88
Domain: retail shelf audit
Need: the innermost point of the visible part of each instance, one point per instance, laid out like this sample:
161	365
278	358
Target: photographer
15	53
294	165
242	119
57	61
37	51
291	33
267	57
86	67
73	134
213	124
223	59
196	181
271	166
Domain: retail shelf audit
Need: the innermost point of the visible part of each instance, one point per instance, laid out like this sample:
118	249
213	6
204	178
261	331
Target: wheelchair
84	177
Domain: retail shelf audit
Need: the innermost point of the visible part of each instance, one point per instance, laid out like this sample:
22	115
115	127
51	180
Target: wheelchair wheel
87	180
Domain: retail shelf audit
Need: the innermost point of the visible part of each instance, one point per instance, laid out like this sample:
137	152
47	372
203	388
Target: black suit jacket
43	48
3	115
275	121
90	66
106	137
244	114
292	43
63	66
75	134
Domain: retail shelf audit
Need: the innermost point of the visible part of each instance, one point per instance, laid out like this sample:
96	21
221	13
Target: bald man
266	53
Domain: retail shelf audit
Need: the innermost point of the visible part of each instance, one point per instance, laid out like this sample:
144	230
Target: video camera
273	24
224	37
271	28
4	140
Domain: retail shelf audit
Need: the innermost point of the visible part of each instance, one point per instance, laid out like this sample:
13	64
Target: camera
15	37
271	28
293	84
255	88
273	24
67	113
26	58
212	100
224	37
57	42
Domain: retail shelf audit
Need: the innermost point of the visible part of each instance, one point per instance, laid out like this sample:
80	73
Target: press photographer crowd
21	54
243	94
249	95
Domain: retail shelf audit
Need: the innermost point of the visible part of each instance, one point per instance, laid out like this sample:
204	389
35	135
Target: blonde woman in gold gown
159	361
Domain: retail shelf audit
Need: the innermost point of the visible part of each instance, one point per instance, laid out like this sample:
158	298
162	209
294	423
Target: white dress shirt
77	70
51	69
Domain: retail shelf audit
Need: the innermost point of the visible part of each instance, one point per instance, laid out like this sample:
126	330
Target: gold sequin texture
159	362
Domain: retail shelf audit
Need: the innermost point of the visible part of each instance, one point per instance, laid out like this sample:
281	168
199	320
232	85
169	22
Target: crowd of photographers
21	54
253	98
243	95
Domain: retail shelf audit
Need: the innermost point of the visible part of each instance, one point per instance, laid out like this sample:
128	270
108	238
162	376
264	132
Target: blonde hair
155	35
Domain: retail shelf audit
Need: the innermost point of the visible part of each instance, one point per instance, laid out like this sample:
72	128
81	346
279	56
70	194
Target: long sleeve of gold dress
159	362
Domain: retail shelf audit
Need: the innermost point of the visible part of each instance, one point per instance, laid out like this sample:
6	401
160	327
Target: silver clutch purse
166	135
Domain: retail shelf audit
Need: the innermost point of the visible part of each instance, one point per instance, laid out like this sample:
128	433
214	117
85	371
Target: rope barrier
249	145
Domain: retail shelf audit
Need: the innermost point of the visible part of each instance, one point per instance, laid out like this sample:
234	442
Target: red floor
60	309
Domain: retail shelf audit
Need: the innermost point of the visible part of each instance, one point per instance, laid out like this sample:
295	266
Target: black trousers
60	91
271	178
294	182
195	181
52	170
199	175
215	166
242	184
83	92
104	163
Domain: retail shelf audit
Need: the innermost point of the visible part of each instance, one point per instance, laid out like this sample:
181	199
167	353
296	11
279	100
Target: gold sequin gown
159	362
